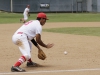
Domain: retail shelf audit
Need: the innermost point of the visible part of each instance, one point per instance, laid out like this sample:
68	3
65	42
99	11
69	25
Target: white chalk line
53	71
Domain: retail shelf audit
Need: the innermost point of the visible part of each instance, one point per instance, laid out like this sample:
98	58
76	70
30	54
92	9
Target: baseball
65	52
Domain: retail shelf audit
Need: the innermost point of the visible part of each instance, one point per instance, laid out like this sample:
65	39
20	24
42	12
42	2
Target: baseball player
25	14
24	37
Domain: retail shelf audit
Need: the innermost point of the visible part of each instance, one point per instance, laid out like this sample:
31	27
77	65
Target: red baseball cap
42	15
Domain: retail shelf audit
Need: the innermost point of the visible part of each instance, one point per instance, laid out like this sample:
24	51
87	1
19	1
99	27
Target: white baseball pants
25	46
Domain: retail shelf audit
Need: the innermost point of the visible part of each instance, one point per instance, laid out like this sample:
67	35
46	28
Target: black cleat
32	64
17	69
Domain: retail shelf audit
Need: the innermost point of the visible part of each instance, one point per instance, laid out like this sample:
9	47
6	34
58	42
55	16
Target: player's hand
49	45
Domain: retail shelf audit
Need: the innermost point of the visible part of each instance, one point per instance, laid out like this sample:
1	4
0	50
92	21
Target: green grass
60	17
54	17
74	17
90	31
11	17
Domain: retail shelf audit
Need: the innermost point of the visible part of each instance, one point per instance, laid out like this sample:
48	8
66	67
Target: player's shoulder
37	23
34	22
26	9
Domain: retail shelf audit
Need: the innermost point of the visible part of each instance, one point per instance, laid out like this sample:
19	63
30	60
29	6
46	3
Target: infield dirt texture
83	56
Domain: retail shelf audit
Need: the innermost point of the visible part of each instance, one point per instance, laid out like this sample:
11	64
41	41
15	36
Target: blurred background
71	6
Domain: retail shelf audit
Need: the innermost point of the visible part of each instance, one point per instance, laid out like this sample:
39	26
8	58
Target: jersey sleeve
38	30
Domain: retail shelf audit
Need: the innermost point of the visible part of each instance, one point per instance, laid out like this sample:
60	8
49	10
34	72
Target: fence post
11	5
72	6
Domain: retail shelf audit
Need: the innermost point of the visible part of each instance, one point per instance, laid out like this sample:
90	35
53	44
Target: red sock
17	63
30	60
20	61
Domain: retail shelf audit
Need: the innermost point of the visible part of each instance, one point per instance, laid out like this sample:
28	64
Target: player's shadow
38	66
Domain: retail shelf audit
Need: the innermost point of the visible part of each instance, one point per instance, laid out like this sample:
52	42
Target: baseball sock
30	60
20	61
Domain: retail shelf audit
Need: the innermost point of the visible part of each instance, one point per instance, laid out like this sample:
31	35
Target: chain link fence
51	5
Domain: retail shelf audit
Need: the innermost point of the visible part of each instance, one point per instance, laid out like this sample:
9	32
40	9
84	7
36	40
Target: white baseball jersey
30	28
26	11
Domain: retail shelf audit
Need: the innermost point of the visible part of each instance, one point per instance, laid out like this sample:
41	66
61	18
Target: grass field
54	17
60	17
90	31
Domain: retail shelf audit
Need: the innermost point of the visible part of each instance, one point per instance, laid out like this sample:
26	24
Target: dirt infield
83	56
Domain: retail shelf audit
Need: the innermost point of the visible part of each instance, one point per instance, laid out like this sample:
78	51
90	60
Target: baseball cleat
32	64
17	69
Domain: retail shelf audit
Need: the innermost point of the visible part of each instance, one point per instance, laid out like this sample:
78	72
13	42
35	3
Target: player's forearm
38	47
35	43
41	43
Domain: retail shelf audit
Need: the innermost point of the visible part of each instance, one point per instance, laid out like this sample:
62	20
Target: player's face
43	21
28	6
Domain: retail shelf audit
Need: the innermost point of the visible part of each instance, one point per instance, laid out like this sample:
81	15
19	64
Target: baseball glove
41	55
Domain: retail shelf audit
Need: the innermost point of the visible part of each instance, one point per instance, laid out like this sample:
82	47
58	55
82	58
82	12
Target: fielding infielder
23	38
25	14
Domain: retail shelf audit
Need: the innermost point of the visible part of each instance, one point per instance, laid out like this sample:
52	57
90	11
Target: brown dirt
83	51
